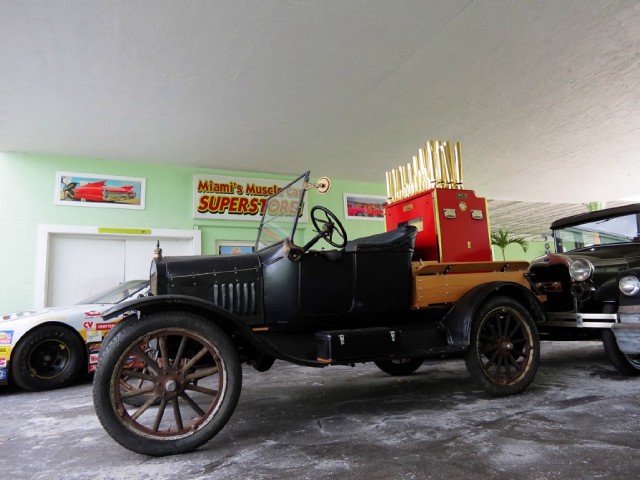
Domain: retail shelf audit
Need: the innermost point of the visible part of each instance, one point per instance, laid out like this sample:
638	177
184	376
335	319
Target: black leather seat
401	239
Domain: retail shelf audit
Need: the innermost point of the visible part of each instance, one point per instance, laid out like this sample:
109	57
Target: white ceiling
543	95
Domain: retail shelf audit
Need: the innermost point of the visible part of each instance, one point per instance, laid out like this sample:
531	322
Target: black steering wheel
327	225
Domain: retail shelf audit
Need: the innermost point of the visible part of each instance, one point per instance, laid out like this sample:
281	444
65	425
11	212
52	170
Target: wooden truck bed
438	283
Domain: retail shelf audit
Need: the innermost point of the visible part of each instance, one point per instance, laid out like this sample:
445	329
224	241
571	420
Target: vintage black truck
170	374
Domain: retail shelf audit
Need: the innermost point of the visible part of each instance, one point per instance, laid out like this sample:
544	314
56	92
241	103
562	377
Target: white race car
49	348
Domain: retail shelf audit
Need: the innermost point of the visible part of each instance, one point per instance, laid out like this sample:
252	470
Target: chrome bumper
580	320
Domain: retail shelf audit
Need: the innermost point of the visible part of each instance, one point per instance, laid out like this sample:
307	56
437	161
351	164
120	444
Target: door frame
46	233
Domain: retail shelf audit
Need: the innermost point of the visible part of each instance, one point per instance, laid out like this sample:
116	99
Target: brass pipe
458	164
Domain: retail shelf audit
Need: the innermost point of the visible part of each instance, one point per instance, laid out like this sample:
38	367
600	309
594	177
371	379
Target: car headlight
629	285
580	270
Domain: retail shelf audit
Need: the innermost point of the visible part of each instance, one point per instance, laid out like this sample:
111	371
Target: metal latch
449	213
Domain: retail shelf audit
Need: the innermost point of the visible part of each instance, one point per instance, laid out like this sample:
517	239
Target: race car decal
105	326
13	316
5	337
92	314
5	354
93	336
3	374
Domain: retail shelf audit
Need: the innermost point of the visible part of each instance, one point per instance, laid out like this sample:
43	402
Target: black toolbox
360	344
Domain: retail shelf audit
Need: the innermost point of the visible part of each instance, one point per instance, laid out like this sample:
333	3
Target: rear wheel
188	373
399	367
47	357
504	353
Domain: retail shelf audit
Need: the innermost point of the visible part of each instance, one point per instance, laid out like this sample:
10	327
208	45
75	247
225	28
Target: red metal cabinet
452	225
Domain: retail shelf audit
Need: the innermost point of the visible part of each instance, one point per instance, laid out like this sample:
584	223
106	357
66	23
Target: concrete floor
579	419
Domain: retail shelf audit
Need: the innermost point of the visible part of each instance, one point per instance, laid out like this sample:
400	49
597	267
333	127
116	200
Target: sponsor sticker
93	358
3	363
105	326
5	337
14	316
94	336
3	373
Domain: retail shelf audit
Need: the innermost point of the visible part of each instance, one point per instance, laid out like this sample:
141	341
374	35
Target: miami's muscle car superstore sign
237	198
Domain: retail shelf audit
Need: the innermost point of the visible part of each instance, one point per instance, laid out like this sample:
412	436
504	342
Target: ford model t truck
170	375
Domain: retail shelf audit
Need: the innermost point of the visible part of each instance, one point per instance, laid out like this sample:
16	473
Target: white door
82	265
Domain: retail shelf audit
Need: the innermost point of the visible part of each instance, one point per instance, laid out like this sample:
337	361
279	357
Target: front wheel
399	367
187	370
47	357
626	364
504	353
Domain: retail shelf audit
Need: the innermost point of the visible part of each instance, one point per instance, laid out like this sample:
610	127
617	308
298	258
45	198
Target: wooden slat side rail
439	289
437	268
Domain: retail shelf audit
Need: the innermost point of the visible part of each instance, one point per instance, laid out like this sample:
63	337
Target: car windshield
281	213
118	293
622	229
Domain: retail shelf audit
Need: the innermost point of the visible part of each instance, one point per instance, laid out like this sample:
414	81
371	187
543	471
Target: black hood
209	265
624	252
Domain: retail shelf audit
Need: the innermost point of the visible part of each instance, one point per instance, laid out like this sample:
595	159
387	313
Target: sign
237	198
127	231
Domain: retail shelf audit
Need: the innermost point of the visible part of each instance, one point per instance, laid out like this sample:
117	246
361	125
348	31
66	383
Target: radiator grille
153	283
238	297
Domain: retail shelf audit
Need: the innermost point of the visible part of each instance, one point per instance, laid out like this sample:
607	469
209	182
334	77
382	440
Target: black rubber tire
399	367
504	353
176	383
626	364
47	357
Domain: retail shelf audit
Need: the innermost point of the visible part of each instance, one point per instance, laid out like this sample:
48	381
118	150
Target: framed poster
232	247
91	190
364	207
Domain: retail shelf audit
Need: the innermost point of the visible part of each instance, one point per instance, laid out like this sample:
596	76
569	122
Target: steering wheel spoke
326	225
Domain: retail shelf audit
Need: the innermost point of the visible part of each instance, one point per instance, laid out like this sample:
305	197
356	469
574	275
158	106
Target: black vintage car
580	280
169	376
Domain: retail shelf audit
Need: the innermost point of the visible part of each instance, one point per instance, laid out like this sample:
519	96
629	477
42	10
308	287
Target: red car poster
84	189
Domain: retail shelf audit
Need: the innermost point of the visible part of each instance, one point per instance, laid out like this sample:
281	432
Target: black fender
457	322
608	292
137	309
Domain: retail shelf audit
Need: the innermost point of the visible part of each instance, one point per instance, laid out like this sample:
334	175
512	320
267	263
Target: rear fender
457	322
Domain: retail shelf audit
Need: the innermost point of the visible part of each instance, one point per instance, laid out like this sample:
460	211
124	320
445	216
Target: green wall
27	200
27	191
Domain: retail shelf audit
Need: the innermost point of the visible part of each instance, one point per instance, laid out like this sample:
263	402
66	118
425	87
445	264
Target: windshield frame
133	287
616	229
288	231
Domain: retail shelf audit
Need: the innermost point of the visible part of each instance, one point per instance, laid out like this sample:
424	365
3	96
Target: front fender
457	322
232	325
608	292
146	305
